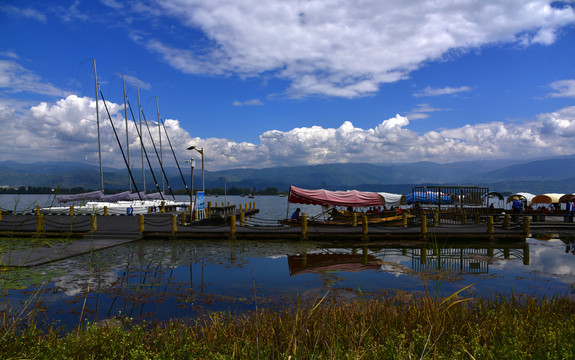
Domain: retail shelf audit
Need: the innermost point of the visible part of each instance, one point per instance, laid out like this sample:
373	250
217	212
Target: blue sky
292	82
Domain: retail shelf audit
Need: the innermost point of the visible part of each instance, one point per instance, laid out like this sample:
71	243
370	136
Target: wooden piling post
174	225
232	227
183	218
39	223
364	255
163	207
364	227
242	218
463	217
526	225
404	219
435	218
354	220
490	226
241	208
424	225
506	220
304	226
37	209
71	210
477	218
141	223
93	223
105	211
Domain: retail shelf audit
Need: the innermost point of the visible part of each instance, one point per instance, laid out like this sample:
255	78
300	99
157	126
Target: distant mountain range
547	175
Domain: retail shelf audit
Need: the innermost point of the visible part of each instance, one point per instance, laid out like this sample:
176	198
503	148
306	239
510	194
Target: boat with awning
329	200
323	197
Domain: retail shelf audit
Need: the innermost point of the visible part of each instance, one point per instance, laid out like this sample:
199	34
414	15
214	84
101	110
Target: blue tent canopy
429	197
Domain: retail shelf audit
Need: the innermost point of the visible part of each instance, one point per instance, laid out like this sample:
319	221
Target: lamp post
225	191
201	151
192	163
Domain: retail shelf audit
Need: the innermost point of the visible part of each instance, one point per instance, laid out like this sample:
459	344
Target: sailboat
124	203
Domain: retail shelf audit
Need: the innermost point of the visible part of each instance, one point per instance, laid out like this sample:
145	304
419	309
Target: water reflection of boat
316	263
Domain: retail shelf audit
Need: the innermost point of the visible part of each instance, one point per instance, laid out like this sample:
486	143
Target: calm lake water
159	280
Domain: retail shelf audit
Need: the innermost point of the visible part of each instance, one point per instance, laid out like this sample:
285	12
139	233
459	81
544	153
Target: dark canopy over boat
334	198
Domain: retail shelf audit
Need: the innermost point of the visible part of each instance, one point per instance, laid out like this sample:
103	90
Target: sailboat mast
160	133
98	126
141	139
127	139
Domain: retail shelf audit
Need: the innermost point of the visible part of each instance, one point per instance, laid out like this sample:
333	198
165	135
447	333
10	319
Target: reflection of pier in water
467	259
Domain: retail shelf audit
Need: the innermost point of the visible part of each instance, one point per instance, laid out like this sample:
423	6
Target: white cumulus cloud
66	130
347	49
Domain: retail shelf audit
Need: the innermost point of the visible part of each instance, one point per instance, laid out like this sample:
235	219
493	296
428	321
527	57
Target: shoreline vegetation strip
395	327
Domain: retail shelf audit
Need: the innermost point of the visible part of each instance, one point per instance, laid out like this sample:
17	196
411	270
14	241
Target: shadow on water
160	280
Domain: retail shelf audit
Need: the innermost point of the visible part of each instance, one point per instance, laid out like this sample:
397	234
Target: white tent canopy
552	198
394	200
523	196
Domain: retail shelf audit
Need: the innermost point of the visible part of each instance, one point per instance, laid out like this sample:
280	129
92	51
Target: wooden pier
95	232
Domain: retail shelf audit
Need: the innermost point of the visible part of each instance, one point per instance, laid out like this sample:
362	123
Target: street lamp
225	191
201	151
192	163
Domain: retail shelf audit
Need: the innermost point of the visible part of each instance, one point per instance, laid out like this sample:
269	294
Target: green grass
8	245
397	327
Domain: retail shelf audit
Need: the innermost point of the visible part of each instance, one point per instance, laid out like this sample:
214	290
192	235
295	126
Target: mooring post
490	226
71	210
163	207
364	226
242	218
39	223
526	225
404	219
141	223
304	226
241	208
93	223
424	225
232	227
105	211
354	220
183	218
435	218
364	254
174	225
506	220
37	209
